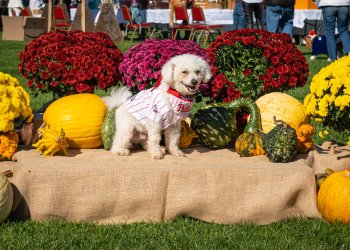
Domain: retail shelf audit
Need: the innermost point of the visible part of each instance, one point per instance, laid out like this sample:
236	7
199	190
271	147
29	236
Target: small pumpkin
249	144
8	145
6	197
80	116
187	134
333	198
304	138
52	141
283	107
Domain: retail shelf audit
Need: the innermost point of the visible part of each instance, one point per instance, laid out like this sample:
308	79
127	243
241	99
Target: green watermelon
108	129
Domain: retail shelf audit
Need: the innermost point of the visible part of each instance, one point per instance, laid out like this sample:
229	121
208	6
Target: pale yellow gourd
284	107
80	116
6	197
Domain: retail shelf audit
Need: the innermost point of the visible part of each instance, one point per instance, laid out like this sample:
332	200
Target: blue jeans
336	15
280	18
238	16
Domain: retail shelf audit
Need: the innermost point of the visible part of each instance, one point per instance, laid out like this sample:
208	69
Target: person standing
255	7
336	14
238	16
15	7
280	15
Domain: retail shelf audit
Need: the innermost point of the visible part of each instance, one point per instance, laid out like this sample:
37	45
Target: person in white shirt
15	6
255	7
336	14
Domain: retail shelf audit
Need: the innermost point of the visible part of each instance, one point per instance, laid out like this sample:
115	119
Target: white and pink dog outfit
151	104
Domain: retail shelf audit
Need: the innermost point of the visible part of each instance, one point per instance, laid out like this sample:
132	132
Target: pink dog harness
151	104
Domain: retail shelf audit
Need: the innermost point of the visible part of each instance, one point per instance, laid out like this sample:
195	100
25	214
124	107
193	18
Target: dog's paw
163	150
120	151
177	152
157	155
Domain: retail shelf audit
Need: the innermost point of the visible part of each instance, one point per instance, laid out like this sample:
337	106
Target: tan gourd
284	107
6	197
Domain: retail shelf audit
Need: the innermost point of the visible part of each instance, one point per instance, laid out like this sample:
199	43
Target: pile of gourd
278	126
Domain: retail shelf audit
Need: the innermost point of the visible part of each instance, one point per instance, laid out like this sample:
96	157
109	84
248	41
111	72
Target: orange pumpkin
333	197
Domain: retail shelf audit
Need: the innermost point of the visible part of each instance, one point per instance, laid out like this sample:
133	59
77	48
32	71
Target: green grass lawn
183	233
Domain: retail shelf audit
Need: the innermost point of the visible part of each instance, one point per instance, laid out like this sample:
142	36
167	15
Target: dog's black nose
194	81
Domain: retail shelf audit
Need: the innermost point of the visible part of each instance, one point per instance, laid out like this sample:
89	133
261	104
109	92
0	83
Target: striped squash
249	144
216	124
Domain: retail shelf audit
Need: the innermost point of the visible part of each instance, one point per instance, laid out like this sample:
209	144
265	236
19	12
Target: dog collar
174	92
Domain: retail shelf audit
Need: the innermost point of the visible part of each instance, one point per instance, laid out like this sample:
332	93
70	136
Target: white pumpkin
6	197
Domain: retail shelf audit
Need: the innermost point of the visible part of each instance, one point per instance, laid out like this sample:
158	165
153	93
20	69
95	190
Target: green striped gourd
216	124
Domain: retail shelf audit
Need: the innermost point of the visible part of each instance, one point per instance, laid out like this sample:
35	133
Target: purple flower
142	63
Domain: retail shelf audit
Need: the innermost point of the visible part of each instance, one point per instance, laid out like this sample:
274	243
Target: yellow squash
80	116
284	107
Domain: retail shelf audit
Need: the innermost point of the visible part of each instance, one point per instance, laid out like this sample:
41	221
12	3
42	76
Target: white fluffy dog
140	119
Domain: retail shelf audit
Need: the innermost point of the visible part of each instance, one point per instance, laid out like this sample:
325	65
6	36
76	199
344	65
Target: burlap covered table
215	186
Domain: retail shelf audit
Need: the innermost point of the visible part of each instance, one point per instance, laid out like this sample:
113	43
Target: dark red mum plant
70	61
250	63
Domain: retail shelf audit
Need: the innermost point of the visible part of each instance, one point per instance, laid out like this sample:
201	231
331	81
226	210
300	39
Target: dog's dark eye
197	72
185	72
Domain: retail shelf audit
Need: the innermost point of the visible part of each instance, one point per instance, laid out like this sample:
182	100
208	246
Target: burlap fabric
214	186
329	155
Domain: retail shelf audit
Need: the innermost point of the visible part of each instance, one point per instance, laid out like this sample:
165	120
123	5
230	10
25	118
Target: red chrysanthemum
256	61
70	61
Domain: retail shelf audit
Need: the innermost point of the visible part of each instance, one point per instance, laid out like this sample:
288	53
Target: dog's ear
168	72
207	73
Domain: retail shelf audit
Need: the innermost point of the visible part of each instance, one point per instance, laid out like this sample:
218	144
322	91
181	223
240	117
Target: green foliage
234	62
182	233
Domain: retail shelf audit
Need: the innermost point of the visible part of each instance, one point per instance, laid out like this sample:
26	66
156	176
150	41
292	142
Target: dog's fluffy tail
117	97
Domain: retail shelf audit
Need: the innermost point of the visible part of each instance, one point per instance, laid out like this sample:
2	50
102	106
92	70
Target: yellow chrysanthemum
329	96
14	103
323	134
342	101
